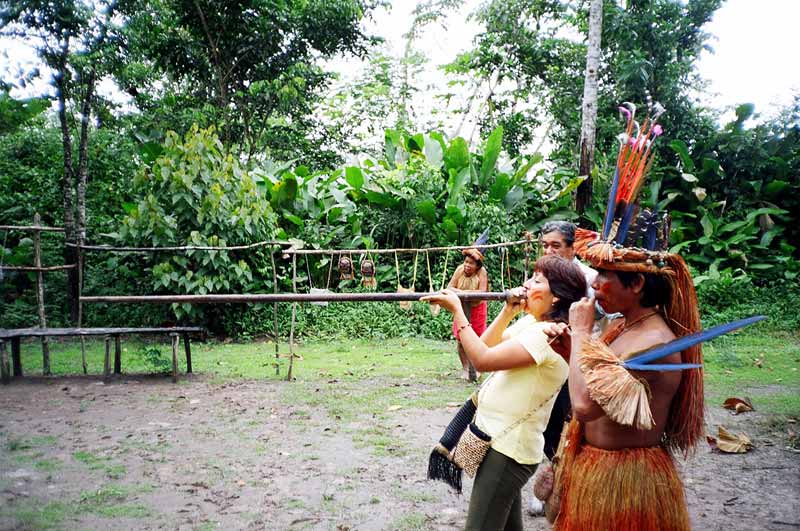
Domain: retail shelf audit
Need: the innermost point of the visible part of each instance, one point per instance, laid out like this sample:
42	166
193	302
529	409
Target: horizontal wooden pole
31	268
291	297
32	228
67	332
411	250
112	249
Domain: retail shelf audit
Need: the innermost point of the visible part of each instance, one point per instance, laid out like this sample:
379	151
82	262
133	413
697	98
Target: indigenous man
617	471
558	238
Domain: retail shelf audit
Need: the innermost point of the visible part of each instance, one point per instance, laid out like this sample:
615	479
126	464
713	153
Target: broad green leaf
354	177
733	226
500	187
450	229
415	143
753	214
493	145
708	226
775	187
680	147
455	186
294	219
434	153
427	210
514	196
676	248
457	155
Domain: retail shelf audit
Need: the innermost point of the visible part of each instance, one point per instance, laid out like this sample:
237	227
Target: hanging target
345	268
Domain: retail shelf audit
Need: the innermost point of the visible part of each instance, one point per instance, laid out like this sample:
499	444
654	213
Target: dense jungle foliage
234	133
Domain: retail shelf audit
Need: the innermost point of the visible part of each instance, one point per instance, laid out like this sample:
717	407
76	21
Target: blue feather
612	195
691	340
662	366
625	224
483	238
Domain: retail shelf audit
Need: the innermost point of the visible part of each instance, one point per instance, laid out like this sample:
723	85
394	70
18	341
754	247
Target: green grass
36	515
765	367
421	373
414	521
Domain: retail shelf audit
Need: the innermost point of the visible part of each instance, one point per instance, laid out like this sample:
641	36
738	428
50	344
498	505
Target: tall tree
71	38
649	49
583	196
251	67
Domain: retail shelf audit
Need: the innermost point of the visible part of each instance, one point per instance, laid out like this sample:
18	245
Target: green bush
727	298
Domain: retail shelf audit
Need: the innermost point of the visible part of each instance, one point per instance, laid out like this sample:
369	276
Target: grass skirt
636	489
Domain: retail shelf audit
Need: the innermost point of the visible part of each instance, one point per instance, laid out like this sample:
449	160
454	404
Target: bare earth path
142	453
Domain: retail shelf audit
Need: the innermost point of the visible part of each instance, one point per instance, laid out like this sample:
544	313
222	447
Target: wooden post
294	312
16	358
37	261
527	257
107	360
188	349
174	357
5	375
79	255
275	313
117	355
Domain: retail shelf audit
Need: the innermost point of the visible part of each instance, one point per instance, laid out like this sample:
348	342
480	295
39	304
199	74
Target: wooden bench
14	335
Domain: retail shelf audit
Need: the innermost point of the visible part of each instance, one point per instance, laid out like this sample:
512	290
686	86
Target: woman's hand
581	316
446	298
518	301
559	339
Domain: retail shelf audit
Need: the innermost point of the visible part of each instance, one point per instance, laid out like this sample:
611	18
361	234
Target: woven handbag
475	443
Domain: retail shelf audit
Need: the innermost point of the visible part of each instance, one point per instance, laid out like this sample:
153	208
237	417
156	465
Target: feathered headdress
476	252
620	248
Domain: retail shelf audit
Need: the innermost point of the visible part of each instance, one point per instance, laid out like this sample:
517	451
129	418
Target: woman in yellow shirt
528	375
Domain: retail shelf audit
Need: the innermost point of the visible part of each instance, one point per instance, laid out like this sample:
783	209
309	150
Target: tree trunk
589	108
67	186
83	158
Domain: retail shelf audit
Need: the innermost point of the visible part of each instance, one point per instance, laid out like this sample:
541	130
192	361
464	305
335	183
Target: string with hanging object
435	308
368	272
346	267
406	305
312	289
502	259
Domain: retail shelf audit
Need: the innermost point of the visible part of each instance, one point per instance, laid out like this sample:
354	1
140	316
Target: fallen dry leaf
759	361
394	408
738	405
729	443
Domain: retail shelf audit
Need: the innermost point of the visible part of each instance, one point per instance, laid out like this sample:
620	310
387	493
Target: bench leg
107	360
16	359
117	355
188	348
174	358
5	375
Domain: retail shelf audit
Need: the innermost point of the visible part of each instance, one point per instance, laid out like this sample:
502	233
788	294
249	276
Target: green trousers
496	501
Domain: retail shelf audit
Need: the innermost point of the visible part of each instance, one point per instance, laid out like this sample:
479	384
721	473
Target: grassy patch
16	444
99	463
35	515
765	367
107	501
414	521
48	465
381	440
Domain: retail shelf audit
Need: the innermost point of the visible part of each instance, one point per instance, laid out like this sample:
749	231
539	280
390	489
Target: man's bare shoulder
634	341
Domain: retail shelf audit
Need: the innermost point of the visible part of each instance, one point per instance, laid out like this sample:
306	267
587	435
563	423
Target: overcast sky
754	42
754	57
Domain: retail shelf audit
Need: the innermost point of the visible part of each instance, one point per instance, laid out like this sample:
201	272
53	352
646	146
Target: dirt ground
142	453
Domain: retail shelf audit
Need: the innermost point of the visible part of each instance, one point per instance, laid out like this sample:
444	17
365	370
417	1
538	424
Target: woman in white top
528	375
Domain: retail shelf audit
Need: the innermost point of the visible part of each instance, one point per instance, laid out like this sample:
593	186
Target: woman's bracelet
460	328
